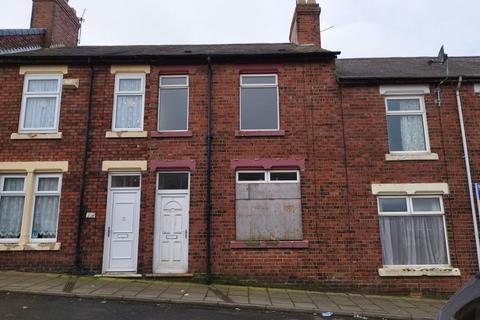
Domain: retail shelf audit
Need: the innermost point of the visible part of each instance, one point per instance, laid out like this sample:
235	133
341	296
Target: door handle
108	232
186	234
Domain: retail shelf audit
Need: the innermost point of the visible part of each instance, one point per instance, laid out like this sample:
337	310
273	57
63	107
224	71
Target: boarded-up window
269	208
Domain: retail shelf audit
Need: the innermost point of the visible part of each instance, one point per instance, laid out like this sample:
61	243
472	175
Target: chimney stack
305	29
59	20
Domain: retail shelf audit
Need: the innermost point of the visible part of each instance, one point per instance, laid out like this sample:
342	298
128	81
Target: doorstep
169	275
118	275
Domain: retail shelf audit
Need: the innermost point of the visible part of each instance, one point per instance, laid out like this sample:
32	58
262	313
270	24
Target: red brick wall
367	144
72	125
60	21
341	134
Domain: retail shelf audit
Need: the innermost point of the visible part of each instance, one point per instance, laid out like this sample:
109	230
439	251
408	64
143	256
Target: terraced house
254	163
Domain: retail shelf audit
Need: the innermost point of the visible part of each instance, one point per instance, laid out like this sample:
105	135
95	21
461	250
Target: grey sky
363	28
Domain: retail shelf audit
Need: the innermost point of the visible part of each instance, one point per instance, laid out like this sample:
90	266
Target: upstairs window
129	102
407	125
412	231
259	106
173	108
41	103
12	198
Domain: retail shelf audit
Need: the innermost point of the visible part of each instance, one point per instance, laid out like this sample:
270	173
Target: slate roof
177	50
22	32
406	68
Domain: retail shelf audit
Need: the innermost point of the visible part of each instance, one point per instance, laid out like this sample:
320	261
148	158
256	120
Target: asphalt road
31	307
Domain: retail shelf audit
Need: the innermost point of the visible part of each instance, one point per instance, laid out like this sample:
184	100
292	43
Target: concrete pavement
342	304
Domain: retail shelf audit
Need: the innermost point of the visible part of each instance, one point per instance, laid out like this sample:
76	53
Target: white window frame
117	92
12	194
422	112
54	94
174	86
410	213
267	176
269	85
36	193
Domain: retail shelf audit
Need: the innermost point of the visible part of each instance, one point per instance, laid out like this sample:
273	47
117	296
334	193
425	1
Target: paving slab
346	304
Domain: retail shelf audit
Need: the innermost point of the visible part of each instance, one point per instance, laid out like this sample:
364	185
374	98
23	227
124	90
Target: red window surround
172	165
171	134
273	133
258	68
267	164
249	244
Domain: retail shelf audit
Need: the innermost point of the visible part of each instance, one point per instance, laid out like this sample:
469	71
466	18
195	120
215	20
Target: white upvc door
171	230
122	224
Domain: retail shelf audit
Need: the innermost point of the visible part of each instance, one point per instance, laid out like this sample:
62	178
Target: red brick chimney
305	29
58	19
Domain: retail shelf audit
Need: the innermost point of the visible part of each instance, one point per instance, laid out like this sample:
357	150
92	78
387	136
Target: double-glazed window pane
426	205
173	113
259	109
265	80
40	113
406	133
259	103
130	85
174	81
46	207
284	176
413	240
403	105
129	102
129	112
125	182
35	86
173	181
393	204
251	176
12	199
41	103
13	184
406	129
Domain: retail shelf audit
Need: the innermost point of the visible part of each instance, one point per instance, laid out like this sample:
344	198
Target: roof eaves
22	32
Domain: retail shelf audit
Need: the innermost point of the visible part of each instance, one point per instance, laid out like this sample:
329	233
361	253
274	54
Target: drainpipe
208	207
81	209
467	166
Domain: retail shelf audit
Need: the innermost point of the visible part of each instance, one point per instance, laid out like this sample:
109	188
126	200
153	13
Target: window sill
30	246
36	136
273	133
411	157
172	134
419	272
262	244
125	134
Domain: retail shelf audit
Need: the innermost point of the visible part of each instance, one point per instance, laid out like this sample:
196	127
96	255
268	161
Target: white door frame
108	220
158	227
